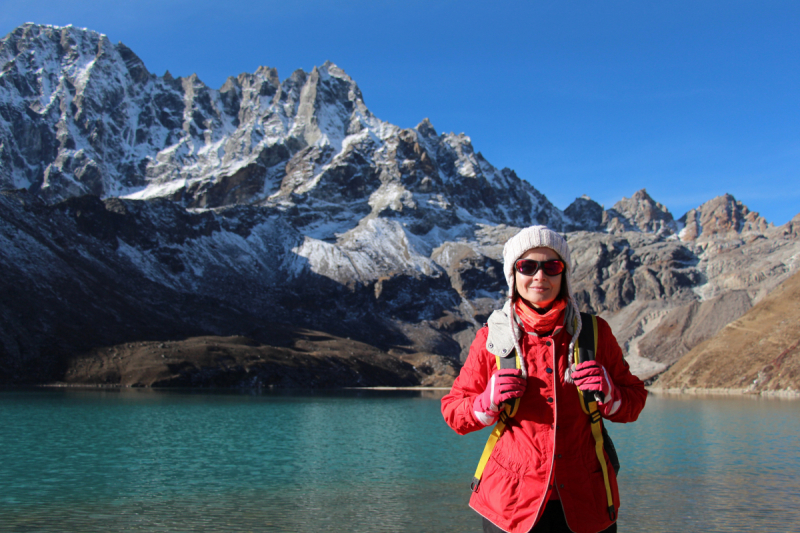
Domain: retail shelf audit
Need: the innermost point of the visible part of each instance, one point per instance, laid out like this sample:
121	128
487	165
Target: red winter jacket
548	444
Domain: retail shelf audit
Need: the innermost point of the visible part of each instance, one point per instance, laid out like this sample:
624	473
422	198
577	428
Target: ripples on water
358	461
712	464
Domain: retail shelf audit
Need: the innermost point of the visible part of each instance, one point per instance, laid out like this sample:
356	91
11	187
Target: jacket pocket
500	487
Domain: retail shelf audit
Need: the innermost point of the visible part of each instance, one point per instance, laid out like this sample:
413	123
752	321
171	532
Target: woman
543	474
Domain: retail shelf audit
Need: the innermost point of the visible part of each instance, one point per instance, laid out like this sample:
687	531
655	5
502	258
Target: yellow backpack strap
509	410
586	350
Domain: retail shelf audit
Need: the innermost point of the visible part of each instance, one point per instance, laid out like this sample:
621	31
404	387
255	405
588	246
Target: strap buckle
474	485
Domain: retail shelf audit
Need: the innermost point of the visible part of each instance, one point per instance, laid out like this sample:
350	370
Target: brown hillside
758	352
303	359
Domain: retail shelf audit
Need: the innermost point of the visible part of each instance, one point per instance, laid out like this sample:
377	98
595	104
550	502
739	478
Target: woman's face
539	290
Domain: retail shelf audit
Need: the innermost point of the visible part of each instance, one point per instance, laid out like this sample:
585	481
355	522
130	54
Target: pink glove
591	376
505	384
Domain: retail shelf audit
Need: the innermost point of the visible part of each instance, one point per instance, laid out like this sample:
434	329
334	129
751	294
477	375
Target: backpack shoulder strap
587	339
508	411
512	361
586	350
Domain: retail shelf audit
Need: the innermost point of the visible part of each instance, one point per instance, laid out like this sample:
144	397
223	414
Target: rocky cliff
139	208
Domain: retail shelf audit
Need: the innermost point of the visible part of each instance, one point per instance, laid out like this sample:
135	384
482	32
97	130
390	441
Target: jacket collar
500	340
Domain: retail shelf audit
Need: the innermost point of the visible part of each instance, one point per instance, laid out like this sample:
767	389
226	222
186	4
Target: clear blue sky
689	99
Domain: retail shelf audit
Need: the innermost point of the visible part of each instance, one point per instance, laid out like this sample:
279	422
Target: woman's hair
563	293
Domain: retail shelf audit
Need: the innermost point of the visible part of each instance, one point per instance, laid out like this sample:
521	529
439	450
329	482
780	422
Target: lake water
359	461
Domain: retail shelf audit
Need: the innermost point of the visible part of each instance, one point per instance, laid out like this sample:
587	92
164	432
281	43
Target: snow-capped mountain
84	116
137	206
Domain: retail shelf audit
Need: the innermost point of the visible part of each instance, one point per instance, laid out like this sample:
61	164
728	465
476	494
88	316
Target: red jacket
549	443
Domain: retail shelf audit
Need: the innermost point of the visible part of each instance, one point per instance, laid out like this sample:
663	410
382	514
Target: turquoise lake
359	461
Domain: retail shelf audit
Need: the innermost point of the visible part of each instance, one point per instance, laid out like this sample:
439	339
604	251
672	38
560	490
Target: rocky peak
639	213
64	101
426	129
136	68
586	214
723	216
308	145
330	107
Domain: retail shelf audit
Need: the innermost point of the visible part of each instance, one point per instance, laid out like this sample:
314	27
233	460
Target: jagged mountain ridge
288	202
82	116
95	121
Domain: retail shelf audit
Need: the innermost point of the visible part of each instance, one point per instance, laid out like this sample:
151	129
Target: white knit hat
528	239
541	237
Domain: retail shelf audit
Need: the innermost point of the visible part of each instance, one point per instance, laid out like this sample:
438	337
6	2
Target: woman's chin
539	305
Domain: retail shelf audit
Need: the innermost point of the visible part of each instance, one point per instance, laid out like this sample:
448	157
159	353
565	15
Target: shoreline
783	394
694	391
116	386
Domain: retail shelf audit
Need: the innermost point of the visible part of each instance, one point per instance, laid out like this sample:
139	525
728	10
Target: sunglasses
529	267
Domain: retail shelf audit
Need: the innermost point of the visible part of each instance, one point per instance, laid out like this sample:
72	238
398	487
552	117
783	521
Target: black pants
552	521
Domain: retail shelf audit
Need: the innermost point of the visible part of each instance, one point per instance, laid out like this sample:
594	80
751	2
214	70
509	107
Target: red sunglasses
529	267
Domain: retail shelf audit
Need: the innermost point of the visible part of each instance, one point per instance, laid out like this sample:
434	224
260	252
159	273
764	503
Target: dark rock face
586	214
137	208
86	273
82	274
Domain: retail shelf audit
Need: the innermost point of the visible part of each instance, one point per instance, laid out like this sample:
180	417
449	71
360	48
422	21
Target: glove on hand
505	384
591	376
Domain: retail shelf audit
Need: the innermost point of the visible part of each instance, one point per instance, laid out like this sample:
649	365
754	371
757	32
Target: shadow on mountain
81	275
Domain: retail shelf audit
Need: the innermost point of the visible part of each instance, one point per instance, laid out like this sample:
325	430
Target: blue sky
688	99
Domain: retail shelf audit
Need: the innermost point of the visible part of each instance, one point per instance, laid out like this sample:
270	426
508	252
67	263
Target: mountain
722	216
766	356
83	116
145	209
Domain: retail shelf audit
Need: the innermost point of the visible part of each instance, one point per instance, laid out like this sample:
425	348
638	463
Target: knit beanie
516	247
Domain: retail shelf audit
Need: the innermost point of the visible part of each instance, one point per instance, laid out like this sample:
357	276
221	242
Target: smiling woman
538	277
544	469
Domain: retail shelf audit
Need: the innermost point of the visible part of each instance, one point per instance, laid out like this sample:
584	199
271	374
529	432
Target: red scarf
544	323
